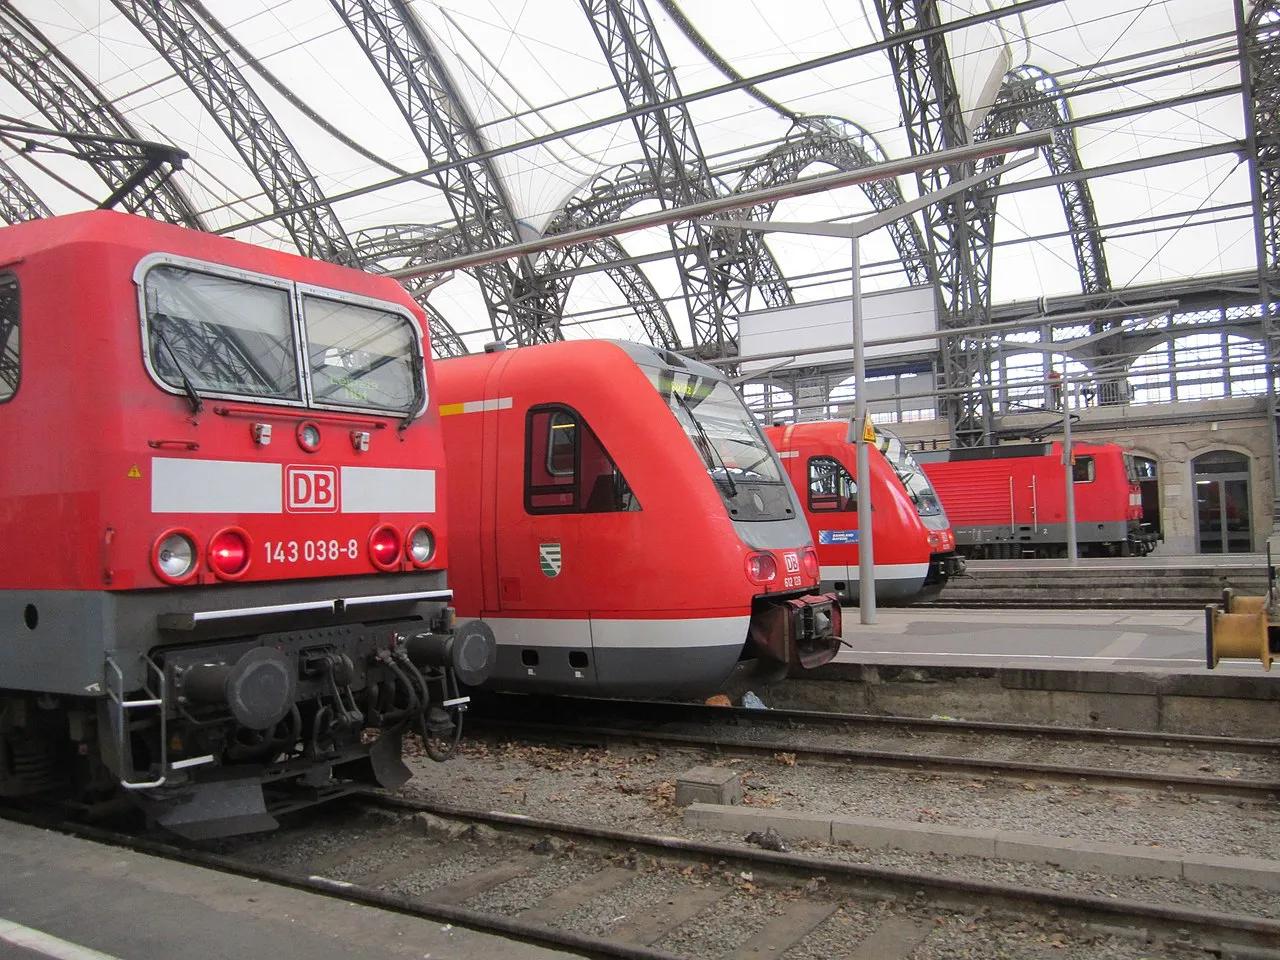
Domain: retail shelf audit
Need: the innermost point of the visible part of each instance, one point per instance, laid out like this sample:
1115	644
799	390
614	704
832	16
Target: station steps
1084	587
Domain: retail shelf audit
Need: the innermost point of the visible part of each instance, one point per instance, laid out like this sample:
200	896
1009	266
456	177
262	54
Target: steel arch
1262	50
1031	97
845	146
406	59
636	287
957	228
409	244
69	101
18	202
718	268
189	48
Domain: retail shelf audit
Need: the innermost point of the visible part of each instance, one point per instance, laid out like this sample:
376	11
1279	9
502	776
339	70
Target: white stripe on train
182	485
884	571
619	634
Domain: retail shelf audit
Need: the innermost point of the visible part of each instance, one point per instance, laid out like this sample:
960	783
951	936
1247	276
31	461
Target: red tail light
810	563
229	553
761	568
384	548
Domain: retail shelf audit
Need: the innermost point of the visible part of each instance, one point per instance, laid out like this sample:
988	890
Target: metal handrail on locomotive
224	586
1010	500
914	546
622	524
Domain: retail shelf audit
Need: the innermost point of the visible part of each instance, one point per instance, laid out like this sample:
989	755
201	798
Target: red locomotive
1010	501
621	523
914	547
225	556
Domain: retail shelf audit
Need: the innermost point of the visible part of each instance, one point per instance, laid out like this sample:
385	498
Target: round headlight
309	436
420	546
384	548
229	553
174	556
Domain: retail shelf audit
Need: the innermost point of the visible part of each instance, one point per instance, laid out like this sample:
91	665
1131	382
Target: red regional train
621	523
223	588
1010	501
914	547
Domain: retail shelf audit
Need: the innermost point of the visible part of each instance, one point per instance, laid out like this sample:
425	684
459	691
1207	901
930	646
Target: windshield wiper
418	368
197	404
707	446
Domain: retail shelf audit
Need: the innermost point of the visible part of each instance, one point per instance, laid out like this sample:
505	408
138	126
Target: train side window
1082	470
10	344
831	489
562	442
567	469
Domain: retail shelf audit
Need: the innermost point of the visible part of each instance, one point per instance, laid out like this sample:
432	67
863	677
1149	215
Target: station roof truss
393	133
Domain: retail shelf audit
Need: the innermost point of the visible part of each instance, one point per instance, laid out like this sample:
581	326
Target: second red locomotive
1010	501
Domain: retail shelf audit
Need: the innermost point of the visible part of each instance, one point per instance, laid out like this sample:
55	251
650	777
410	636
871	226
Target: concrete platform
1111	640
64	897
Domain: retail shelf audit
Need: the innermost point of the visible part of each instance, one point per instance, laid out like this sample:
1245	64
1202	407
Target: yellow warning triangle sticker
134	473
868	431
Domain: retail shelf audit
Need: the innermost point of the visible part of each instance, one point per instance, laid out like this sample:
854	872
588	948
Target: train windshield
737	457
908	470
227	336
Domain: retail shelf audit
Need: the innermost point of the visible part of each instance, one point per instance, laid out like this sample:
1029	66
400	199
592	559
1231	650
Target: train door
1223	517
1149	485
541	573
832	503
550	537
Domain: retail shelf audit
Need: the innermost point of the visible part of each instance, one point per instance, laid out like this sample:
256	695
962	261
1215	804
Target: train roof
1006	451
812	431
593	352
140	235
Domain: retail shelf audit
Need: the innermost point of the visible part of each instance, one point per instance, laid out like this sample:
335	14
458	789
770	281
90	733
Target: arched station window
1199	366
1036	380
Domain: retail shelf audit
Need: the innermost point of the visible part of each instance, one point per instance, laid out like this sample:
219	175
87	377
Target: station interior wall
1171	434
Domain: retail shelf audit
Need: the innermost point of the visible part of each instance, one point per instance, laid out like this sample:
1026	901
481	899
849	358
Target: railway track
782	900
744	732
1034	602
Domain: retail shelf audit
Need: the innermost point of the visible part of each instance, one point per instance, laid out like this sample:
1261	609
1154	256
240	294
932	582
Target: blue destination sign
830	537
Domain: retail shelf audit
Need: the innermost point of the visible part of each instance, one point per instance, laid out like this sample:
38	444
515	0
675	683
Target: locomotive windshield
737	457
226	336
908	470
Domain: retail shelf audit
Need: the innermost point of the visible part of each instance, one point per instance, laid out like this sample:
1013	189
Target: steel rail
1213	926
909	761
1075	603
419	908
1217	929
650	710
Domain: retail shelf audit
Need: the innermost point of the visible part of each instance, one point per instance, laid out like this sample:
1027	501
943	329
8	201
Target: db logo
792	562
311	489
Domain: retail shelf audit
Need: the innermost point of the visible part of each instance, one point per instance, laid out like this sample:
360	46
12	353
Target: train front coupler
464	657
795	632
